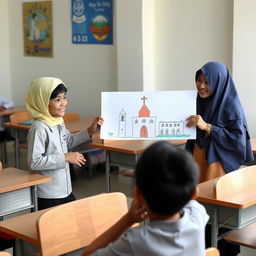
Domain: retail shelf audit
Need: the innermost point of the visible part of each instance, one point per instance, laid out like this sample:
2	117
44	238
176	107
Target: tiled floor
83	186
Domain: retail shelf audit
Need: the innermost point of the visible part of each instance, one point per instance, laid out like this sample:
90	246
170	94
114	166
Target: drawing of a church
143	125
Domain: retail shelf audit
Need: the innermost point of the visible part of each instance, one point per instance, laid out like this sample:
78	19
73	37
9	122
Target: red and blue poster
92	21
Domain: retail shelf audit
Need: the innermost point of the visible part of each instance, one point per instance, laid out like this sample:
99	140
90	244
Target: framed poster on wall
37	29
92	21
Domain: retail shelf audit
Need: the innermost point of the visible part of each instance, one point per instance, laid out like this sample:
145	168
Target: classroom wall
158	45
129	45
244	55
85	69
177	38
187	35
5	82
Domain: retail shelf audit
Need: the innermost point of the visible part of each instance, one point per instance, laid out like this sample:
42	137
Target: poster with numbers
92	21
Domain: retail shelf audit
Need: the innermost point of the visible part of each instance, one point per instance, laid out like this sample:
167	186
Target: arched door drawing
143	132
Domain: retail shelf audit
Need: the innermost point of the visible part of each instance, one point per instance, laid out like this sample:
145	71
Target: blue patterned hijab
223	104
229	141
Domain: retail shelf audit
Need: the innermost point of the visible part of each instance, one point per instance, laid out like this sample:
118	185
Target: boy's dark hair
167	177
59	89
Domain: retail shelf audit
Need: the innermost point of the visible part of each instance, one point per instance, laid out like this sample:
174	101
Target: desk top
72	126
23	226
242	200
129	146
9	111
244	236
13	179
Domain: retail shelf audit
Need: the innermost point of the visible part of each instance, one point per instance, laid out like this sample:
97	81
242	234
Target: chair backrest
1	168
5	254
74	225
71	117
212	252
20	117
235	182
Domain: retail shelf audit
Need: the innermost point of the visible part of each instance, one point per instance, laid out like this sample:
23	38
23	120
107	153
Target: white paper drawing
147	115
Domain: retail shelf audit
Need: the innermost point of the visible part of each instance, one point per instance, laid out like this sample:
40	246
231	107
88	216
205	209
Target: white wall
85	69
187	35
129	45
5	87
244	56
148	43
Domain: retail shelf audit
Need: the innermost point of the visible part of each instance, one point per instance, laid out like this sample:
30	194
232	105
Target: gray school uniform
46	148
184	237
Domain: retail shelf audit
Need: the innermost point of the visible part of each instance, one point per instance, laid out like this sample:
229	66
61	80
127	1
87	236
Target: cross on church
144	98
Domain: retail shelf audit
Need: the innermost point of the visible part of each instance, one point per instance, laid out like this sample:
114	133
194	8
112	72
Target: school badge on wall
92	21
37	27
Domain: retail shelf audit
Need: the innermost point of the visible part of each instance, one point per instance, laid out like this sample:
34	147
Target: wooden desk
18	190
23	226
9	111
72	126
233	211
124	153
76	224
245	236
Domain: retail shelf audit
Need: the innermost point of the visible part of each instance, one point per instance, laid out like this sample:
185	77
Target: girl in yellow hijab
49	141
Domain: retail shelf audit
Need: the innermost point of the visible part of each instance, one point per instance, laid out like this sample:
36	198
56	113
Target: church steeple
144	111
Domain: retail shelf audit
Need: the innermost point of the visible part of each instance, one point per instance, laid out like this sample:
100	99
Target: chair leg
14	250
2	152
5	152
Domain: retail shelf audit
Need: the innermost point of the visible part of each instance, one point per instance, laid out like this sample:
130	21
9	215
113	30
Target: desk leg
107	170
214	232
34	198
16	136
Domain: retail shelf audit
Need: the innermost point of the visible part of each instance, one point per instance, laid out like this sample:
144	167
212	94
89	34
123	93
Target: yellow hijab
38	97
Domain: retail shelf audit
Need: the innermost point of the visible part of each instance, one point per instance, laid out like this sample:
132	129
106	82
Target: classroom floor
83	186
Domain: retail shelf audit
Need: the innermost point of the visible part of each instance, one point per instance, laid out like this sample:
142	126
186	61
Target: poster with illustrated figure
37	27
92	21
147	115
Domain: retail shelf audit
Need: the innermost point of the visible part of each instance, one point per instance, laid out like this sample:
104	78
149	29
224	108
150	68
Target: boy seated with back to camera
166	184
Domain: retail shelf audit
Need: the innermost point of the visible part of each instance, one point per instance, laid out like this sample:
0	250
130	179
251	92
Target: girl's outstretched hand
95	126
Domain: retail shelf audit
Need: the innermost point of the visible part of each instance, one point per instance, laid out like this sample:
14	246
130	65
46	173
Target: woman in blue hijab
222	142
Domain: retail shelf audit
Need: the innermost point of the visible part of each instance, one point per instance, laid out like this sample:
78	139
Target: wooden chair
68	117
242	180
19	117
1	168
5	254
212	252
74	225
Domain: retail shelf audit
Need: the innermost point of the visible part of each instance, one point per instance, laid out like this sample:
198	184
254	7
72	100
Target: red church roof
144	111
